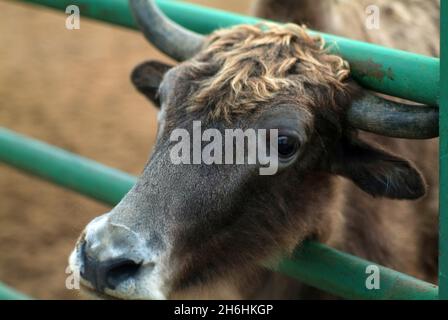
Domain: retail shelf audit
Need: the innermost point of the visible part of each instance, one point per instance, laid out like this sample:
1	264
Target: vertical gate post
443	212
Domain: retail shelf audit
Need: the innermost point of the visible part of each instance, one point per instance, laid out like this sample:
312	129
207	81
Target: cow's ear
378	172
147	77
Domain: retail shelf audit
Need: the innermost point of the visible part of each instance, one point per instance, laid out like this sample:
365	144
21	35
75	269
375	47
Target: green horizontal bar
345	275
314	264
443	127
7	293
393	72
63	168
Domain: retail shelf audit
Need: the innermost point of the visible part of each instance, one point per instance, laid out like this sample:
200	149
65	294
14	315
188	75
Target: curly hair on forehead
253	64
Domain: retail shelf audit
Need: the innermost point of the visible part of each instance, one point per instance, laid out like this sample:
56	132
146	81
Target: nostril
109	273
119	271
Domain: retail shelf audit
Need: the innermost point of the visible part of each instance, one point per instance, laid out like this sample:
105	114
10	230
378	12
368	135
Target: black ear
147	77
378	172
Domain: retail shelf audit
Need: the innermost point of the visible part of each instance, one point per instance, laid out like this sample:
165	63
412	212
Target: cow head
203	229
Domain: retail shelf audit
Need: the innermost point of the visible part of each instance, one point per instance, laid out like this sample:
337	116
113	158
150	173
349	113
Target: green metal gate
393	72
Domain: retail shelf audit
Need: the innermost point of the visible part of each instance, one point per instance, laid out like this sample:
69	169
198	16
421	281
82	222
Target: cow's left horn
172	39
374	114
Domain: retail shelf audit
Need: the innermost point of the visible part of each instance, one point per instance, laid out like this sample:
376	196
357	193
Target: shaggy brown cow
201	231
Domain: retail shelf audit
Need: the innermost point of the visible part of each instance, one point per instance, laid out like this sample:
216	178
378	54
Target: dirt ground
70	89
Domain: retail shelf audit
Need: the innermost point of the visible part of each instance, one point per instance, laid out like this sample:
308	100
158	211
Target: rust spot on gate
371	69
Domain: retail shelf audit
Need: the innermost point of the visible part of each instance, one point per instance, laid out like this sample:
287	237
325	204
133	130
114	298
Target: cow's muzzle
114	260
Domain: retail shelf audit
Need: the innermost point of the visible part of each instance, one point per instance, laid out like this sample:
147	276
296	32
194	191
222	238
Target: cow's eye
287	146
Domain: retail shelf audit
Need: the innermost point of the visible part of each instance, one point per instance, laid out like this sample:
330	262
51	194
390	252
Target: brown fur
254	63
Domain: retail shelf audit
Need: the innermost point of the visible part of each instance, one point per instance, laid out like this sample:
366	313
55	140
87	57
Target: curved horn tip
170	38
384	117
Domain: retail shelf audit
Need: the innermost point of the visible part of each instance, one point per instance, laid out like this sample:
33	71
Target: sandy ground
70	89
